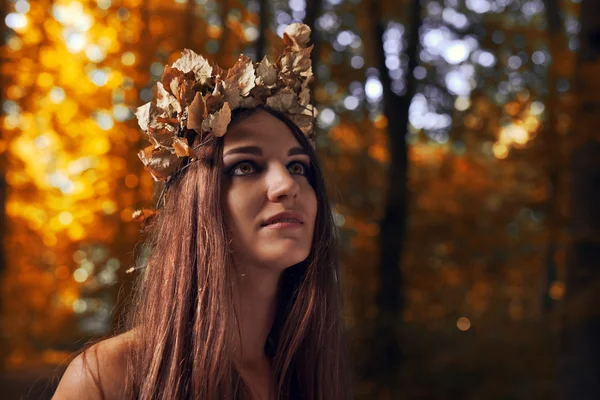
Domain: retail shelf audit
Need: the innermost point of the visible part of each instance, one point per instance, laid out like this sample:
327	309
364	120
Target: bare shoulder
98	372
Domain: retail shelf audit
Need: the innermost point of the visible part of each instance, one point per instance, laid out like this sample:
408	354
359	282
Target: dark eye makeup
256	168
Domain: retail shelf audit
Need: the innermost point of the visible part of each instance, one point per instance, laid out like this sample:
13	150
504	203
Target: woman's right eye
243	168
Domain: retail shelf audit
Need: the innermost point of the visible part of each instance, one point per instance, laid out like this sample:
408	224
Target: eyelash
257	168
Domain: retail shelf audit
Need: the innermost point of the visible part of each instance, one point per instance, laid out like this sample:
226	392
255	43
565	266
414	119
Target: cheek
239	208
311	204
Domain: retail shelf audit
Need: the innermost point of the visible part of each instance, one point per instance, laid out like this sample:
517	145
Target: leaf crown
196	99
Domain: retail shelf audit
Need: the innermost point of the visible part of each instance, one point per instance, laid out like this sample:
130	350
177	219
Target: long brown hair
183	313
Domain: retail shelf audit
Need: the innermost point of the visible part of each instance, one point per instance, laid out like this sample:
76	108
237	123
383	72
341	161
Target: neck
256	304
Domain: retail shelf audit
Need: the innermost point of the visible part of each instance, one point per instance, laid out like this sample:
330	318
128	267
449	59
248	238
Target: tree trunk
390	299
190	17
579	367
553	164
263	28
313	10
224	55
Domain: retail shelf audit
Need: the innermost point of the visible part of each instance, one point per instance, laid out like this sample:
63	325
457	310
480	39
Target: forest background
463	138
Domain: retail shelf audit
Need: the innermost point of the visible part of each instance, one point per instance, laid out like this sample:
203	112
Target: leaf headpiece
195	98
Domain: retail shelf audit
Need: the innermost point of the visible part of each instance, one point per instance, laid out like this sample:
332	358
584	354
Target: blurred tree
390	298
263	23
580	353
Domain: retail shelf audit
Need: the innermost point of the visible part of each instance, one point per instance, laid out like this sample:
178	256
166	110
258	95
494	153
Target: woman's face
270	205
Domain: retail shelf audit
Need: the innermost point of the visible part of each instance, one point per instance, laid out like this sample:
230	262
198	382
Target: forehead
262	129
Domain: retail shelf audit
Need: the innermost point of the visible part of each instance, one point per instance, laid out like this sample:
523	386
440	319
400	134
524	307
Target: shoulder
98	372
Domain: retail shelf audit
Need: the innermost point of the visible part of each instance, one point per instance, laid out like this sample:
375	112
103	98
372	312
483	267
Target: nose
281	184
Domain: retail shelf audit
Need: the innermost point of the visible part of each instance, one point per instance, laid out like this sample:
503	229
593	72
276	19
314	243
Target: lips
288	217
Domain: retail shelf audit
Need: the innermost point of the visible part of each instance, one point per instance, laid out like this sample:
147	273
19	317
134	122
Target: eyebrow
257	151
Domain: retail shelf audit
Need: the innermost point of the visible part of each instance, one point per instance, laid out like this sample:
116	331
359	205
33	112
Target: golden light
131	181
463	324
380	122
80	275
128	58
536	108
65	218
62	272
500	150
462	103
513	133
557	290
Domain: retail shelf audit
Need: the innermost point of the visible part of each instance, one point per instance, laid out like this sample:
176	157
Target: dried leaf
242	75
196	112
143	116
181	147
298	62
160	137
282	100
304	118
232	95
214	100
266	73
217	123
143	214
161	163
296	36
304	96
190	61
218	71
166	101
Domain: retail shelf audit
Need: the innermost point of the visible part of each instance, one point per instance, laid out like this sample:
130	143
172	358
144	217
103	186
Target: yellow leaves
115	79
67	111
45	80
95	146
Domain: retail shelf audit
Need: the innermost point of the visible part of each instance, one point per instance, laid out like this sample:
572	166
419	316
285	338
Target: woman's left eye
299	168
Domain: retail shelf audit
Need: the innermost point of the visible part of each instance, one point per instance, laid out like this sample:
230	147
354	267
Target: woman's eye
243	168
299	168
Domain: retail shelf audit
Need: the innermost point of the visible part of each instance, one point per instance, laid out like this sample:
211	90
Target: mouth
284	220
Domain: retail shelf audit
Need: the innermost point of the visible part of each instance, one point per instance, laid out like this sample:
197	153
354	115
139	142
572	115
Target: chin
285	258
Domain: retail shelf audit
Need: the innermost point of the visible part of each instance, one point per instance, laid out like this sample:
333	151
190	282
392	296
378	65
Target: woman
240	298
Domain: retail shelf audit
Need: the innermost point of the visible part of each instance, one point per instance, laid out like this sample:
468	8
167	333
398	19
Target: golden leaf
190	61
298	62
161	163
241	75
143	115
282	100
304	96
296	36
196	113
217	123
181	147
166	101
231	94
266	73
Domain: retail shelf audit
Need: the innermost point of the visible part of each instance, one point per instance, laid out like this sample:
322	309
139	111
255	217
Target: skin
253	193
258	187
